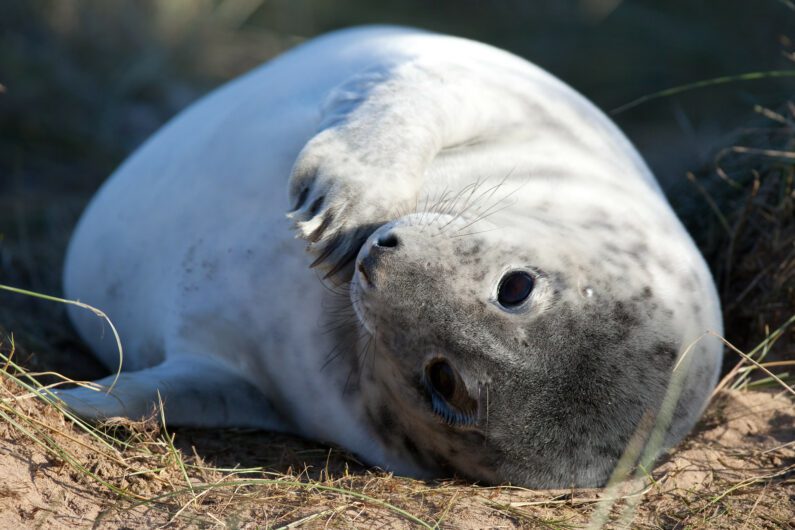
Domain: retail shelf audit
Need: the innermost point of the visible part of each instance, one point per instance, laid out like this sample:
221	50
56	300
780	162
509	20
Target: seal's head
530	354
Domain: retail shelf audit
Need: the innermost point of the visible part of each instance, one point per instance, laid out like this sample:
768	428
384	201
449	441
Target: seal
495	286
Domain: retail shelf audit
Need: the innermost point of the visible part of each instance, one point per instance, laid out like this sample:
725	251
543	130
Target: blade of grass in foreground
750	76
82	305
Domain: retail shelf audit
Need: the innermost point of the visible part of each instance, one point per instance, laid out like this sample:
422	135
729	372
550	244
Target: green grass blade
82	305
750	76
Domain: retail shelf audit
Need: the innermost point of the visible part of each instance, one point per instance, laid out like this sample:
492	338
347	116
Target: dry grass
738	466
748	236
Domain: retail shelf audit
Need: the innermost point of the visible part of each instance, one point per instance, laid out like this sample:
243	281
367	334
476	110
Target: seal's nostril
389	240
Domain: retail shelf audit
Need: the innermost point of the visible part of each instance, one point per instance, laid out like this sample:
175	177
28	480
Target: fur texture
420	171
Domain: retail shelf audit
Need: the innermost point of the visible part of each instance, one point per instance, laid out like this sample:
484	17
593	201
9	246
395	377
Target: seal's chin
357	288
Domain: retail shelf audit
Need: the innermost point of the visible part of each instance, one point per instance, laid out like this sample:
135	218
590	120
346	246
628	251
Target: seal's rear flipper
195	392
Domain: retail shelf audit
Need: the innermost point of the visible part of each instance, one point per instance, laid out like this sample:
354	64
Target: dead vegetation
744	223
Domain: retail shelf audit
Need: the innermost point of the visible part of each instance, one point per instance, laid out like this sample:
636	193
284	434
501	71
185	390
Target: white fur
188	250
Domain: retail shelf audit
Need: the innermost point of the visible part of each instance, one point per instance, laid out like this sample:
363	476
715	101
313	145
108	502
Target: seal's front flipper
195	392
380	130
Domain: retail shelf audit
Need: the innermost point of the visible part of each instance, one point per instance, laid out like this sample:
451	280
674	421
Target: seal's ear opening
449	396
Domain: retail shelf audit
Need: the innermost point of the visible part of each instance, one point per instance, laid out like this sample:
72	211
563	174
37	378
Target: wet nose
388	240
382	245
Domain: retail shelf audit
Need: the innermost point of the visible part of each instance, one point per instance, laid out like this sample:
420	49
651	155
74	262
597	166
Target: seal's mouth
363	274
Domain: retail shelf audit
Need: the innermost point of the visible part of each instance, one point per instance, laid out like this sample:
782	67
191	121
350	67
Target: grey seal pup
495	286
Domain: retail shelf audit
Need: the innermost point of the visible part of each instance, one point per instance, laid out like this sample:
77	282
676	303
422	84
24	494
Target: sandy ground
737	470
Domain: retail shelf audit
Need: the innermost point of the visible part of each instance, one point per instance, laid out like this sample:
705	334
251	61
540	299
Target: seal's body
510	291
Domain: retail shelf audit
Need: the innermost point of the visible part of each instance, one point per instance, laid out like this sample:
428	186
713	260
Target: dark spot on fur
600	224
664	265
665	351
612	452
625	319
630	228
470	251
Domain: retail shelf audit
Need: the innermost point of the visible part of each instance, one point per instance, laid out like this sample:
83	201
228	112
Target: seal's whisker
434	200
339	316
488	193
337	326
453	203
474	202
359	350
411	211
476	233
374	353
482	217
331	356
472	188
367	351
488	212
424	208
330	287
487	405
337	302
438	206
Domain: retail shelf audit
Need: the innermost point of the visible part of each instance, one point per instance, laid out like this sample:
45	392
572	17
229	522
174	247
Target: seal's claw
327	250
317	234
334	210
301	199
335	253
345	260
339	199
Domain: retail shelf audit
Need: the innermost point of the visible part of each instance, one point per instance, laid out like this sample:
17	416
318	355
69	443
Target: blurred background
83	82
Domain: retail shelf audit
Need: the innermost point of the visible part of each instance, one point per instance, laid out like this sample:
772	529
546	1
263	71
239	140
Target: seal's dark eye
514	288
442	379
